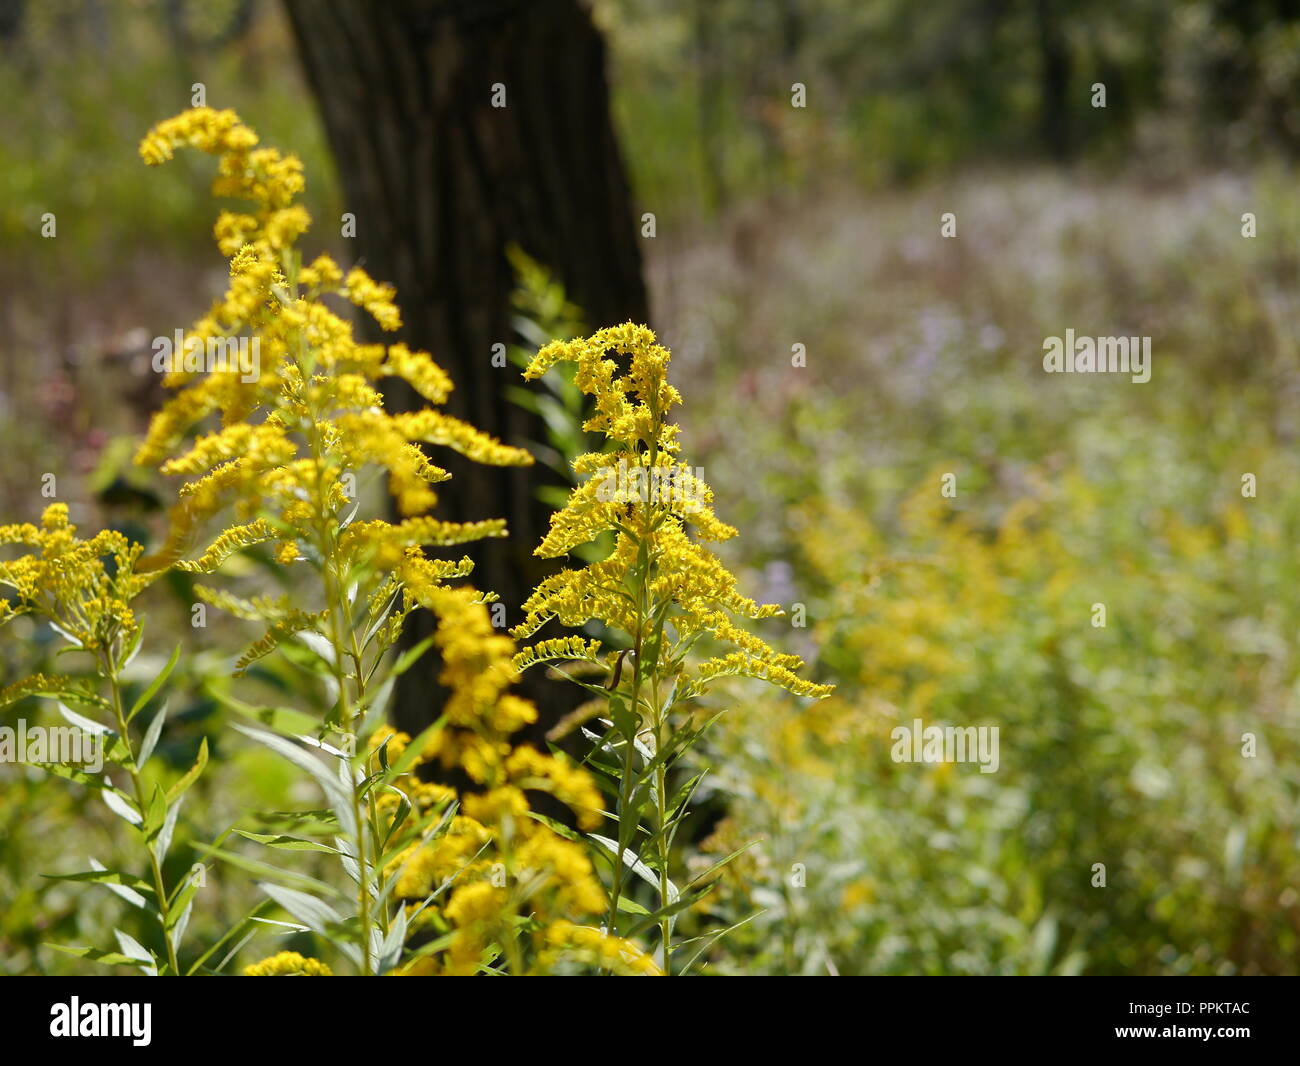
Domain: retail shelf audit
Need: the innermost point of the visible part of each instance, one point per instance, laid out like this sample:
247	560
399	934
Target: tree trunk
1055	109
441	181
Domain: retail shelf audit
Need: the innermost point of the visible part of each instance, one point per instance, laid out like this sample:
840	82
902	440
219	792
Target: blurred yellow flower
288	964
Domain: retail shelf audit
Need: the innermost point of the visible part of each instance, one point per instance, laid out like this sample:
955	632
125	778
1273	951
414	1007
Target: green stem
625	789
666	922
335	593
371	812
137	786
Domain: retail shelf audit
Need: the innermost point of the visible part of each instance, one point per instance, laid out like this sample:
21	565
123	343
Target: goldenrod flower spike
554	880
647	497
317	383
659	590
85	587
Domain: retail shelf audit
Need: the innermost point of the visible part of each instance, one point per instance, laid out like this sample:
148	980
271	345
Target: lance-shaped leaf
136	952
127	886
177	790
340	798
155	684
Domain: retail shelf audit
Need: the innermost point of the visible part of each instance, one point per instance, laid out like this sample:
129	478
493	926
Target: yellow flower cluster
288	964
643	493
300	424
598	949
85	587
505	862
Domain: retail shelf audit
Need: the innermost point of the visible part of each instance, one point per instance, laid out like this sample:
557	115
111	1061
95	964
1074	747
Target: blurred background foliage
819	226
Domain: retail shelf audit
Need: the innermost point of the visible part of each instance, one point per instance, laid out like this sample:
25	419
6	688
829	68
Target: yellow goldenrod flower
84	587
649	499
288	964
564	939
319	386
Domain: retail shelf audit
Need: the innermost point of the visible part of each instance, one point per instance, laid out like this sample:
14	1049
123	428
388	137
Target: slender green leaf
717	866
151	736
287	843
108	958
263	869
86	725
282	719
177	790
636	865
155	684
234	931
156	813
317	915
121	806
164	840
713	940
409	657
137	952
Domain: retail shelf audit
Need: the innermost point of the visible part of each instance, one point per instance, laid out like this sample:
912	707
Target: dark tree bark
1054	80
441	181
